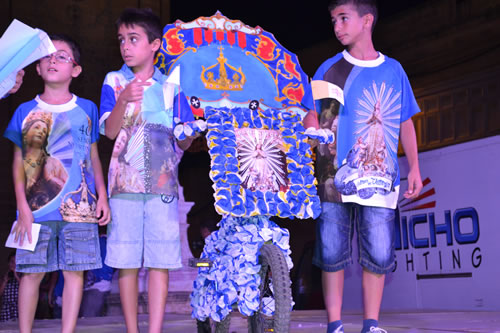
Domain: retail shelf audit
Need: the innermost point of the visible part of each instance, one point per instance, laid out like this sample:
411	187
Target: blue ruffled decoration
234	276
221	139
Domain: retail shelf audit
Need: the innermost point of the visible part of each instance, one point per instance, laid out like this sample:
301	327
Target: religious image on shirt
127	164
368	168
80	205
161	160
262	160
44	170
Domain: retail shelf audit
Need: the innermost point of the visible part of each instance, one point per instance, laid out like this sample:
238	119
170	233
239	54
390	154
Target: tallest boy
366	99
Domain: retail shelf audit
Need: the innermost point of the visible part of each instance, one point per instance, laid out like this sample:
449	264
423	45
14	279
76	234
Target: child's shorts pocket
39	255
81	244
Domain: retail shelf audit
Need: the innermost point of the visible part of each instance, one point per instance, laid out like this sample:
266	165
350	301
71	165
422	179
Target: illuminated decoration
227	63
252	94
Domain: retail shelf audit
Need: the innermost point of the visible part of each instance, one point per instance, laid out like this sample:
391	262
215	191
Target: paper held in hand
35	232
20	45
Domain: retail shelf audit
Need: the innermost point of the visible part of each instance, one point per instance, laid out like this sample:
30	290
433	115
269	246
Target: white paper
35	232
20	45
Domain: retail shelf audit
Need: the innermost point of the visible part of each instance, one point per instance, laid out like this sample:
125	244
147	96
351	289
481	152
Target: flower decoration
261	163
234	276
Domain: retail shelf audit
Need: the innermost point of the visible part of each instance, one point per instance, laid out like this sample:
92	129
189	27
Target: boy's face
58	67
135	48
349	27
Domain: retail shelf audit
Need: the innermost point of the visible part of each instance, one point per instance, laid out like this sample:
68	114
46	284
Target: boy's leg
157	297
333	256
129	293
28	299
125	250
373	288
162	251
333	291
71	299
376	242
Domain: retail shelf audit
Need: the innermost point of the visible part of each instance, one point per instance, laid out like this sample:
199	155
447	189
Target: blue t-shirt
145	156
56	141
363	103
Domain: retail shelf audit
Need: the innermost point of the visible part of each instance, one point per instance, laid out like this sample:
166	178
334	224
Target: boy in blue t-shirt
365	98
138	107
58	183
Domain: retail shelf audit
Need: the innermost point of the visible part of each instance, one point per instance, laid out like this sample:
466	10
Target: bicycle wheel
210	326
275	283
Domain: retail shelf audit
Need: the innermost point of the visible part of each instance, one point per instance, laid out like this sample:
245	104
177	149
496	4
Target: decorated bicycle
249	94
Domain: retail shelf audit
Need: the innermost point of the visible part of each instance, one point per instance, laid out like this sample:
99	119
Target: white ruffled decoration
234	276
183	130
323	135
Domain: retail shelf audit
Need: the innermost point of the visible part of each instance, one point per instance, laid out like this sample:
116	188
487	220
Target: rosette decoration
281	183
234	276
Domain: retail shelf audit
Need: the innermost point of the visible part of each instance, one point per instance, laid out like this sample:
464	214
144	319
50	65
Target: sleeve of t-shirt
13	131
182	108
94	136
409	105
108	102
319	75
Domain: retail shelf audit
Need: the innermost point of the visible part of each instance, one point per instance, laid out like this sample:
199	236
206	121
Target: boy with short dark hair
366	99
57	174
138	106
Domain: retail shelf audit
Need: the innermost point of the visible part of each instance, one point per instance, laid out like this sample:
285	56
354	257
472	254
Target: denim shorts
69	246
334	233
143	232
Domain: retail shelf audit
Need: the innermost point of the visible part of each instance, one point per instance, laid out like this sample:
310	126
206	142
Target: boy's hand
133	92
414	184
24	223
19	81
103	211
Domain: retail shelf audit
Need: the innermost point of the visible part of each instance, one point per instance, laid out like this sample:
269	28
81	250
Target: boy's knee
33	277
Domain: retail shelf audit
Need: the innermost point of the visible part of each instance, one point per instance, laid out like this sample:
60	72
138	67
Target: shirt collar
129	75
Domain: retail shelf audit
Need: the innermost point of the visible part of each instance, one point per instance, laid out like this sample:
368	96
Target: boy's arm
102	210
409	142
25	218
184	144
132	93
311	119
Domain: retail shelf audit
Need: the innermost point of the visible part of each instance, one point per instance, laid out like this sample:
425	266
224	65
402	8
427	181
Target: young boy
57	173
138	106
366	97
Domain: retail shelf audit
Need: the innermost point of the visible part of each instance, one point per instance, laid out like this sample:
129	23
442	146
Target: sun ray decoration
378	116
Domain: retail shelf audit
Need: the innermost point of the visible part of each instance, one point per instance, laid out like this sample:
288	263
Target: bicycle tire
274	271
210	326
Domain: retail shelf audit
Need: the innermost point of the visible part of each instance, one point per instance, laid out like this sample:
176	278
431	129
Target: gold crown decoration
220	80
83	211
46	117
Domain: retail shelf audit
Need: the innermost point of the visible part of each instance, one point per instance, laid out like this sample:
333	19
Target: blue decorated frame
231	198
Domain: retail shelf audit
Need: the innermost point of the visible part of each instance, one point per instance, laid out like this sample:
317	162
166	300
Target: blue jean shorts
69	246
143	232
334	233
